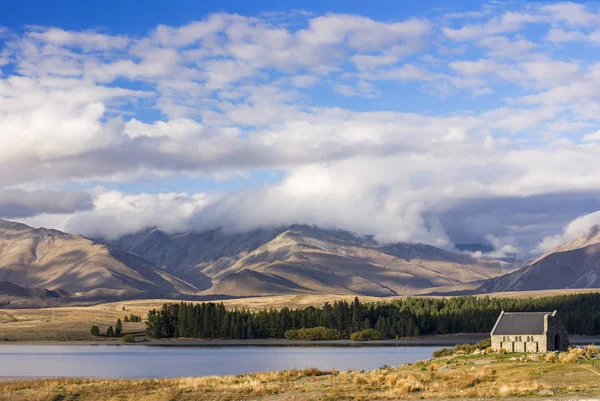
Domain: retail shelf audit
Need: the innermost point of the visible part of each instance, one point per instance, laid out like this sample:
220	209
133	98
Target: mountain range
53	260
574	264
304	259
49	264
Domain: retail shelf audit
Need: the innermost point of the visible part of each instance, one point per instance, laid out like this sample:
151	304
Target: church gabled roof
519	323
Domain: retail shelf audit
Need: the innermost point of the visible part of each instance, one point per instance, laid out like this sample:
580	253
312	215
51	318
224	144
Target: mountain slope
58	261
8	289
575	264
302	259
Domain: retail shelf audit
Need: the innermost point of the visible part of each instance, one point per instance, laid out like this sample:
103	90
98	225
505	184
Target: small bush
118	328
128	338
313	334
133	318
461	349
366	335
552	357
442	352
95	331
464	348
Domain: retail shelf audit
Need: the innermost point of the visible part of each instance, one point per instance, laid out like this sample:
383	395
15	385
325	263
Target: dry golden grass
73	323
489	376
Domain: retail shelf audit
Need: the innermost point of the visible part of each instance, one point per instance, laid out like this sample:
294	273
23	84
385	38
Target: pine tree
95	331
182	320
356	314
406	317
110	332
118	328
126	319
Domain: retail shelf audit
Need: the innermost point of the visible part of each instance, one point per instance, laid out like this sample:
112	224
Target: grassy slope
74	322
480	377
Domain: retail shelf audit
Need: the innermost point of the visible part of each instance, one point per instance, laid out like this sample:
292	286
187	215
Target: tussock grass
469	376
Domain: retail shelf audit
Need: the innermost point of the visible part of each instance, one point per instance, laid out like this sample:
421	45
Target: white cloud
116	214
361	33
87	40
595	137
304	81
20	203
576	228
369	62
573	14
231	94
503	47
508	22
345	90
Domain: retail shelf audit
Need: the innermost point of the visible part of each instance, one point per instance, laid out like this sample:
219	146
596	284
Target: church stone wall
520	343
557	331
555	339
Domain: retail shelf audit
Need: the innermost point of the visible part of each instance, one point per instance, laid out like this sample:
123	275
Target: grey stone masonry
529	332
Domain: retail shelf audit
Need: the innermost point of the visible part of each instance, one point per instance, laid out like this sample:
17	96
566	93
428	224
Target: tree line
110	332
407	317
132	318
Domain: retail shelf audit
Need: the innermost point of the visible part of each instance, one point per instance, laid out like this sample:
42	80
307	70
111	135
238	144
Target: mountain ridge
304	259
55	260
574	264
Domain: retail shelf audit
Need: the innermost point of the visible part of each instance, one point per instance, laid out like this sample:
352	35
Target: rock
444	368
514	358
534	357
522	358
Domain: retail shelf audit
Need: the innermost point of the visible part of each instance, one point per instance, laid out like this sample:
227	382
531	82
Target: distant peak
594	230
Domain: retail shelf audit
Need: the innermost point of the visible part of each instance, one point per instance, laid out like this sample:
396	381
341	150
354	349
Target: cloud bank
462	127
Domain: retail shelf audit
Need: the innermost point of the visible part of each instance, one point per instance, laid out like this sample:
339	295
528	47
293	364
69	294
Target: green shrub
128	338
366	335
313	334
133	318
463	348
442	352
95	331
118	328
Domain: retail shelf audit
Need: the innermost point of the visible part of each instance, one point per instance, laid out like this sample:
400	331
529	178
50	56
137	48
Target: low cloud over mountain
442	126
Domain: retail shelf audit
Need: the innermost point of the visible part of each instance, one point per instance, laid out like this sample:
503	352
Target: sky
435	122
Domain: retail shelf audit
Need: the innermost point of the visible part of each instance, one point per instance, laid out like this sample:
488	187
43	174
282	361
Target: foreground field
73	323
481	377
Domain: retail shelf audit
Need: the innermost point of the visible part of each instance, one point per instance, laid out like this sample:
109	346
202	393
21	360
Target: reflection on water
110	361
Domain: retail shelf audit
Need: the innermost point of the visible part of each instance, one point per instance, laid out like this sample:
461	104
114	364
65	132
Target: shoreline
470	377
445	340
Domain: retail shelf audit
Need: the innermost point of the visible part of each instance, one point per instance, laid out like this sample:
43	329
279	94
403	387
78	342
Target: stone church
529	332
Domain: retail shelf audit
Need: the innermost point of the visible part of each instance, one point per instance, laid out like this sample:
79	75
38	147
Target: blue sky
384	118
117	15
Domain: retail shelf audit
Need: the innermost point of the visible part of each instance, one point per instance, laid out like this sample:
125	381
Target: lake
139	361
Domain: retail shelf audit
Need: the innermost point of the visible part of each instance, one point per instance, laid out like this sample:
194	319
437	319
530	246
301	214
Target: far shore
446	340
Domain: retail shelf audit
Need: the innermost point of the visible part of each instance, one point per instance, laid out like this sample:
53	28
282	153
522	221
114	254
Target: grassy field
467	377
73	323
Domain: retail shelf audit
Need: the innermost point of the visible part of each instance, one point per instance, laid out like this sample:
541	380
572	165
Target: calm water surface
110	361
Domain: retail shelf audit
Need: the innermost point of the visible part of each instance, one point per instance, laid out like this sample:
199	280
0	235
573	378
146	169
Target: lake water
112	361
